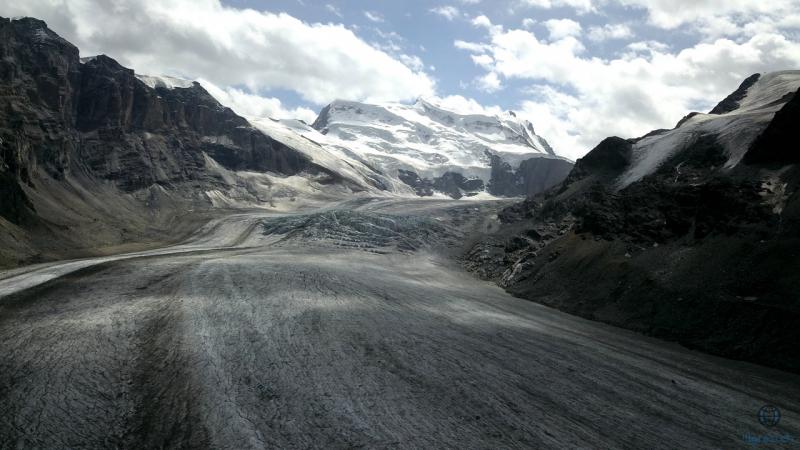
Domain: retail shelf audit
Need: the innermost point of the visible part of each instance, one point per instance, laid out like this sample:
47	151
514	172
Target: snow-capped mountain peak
422	142
424	148
429	139
506	124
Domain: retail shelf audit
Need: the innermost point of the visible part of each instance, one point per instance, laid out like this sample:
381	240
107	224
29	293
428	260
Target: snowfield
372	143
428	139
329	153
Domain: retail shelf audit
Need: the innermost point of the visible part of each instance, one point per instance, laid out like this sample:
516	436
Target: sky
579	70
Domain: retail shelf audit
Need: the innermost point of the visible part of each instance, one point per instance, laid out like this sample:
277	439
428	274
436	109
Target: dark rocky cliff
731	102
97	116
533	176
87	145
777	145
694	252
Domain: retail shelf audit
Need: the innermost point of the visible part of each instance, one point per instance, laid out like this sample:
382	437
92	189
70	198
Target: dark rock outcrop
696	251
422	187
731	102
533	176
611	155
115	108
456	185
607	160
452	184
321	122
685	119
15	204
778	144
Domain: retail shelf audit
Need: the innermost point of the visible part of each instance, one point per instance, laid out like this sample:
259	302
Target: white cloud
580	6
334	10
484	22
610	31
246	104
483	60
670	14
413	62
528	23
645	47
489	83
561	28
471	46
575	101
232	47
464	105
373	16
448	12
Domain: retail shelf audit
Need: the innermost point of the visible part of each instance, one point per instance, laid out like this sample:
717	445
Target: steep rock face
531	177
118	127
696	247
452	184
778	143
610	157
87	145
130	128
422	187
39	74
731	102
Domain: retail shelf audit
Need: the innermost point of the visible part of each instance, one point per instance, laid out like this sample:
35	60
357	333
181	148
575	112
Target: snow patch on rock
735	130
163	81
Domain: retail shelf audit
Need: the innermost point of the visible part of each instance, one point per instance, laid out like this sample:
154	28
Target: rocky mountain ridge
690	234
90	155
94	156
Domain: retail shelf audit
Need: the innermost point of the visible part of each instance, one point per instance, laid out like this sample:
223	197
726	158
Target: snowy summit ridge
427	149
429	139
734	127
